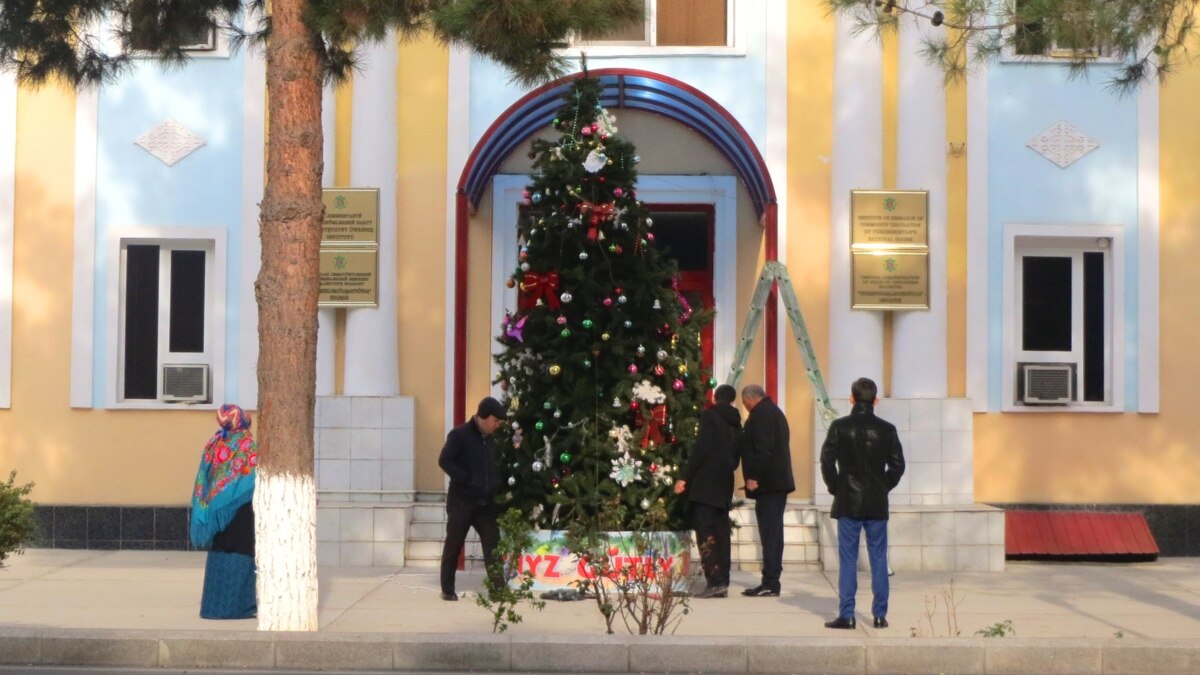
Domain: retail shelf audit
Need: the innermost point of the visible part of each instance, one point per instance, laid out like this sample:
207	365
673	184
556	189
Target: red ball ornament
634	405
607	302
659	370
617	192
613	550
633	368
586	131
653	468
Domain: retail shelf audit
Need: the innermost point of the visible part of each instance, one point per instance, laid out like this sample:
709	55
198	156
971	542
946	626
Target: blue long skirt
229	587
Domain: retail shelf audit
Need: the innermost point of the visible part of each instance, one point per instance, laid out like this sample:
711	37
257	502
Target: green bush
16	517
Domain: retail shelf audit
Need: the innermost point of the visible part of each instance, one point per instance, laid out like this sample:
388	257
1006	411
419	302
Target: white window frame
219	50
734	39
212	241
1065	241
1054	54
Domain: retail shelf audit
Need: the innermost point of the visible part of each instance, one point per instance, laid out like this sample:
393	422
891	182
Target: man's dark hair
725	394
864	390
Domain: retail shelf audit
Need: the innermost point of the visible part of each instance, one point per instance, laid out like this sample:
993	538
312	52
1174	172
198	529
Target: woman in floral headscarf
223	518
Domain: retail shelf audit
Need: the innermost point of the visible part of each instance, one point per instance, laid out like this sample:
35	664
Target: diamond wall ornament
1062	144
170	142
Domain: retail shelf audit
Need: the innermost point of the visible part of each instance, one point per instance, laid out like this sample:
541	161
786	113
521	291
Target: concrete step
429	512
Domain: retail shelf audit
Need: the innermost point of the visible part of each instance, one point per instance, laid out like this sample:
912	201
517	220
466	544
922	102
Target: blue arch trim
633	90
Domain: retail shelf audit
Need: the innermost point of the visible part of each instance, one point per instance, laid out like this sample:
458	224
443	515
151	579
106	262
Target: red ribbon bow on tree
652	419
544	286
599	212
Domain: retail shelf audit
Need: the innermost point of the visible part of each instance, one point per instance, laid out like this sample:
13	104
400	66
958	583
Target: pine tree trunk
285	495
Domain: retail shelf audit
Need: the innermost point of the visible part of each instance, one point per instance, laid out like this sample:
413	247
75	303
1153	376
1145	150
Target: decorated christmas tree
601	363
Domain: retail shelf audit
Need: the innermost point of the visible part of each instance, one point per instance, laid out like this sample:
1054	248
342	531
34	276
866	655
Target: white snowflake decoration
648	392
607	122
662	474
622	435
595	161
626	470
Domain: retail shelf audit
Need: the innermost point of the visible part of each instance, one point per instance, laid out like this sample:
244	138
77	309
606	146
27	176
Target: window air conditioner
185	382
1046	383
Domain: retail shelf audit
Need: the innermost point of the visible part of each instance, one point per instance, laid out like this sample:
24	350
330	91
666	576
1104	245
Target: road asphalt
139	609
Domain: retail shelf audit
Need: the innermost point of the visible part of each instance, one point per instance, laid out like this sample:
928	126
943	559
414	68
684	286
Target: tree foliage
82	41
1146	37
16	517
601	365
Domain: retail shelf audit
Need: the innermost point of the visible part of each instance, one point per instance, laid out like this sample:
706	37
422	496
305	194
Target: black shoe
452	597
714	592
881	622
761	591
841	622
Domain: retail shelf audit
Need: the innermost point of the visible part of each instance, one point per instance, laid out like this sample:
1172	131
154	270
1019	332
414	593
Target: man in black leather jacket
469	460
707	477
767	467
861	461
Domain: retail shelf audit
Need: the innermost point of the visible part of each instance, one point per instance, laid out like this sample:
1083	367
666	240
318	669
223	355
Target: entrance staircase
801	537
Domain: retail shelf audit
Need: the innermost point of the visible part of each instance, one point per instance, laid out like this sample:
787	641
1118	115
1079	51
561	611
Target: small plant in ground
646	588
999	629
1119	634
16	517
501	596
945	601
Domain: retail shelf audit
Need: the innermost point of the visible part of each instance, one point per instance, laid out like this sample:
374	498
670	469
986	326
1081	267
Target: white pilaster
254	138
458	148
855	337
919	338
775	156
372	362
1148	231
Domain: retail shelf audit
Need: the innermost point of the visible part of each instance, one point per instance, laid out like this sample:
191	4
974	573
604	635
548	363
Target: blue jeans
848	537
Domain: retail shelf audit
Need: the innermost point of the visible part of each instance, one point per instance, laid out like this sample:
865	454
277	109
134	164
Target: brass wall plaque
349	278
889	219
351	217
890	280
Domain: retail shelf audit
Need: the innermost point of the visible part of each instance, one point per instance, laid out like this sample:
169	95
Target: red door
684	232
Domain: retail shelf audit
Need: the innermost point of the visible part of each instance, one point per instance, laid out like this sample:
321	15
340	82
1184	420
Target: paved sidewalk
139	608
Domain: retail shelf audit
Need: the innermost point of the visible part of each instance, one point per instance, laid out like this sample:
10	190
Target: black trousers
768	510
463	513
711	524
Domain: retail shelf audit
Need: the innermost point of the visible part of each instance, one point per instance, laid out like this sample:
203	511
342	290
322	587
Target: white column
919	338
855	337
326	317
977	239
372	363
254	139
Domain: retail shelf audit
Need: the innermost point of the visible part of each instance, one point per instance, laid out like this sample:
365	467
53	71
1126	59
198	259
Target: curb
597	653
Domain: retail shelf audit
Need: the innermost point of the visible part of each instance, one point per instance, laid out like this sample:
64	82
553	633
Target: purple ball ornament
617	192
677	385
632	369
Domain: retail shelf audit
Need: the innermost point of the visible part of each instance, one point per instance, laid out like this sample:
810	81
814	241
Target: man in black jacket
861	461
707	477
767	467
469	460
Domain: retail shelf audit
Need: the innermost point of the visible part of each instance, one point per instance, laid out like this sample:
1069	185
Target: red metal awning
1078	534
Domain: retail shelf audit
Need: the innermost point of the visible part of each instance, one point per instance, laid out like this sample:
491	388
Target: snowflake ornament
595	161
606	122
626	470
649	392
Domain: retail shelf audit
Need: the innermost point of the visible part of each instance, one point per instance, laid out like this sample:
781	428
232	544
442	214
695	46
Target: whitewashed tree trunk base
285	530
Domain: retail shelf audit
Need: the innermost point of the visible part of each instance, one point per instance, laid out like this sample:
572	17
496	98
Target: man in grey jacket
861	461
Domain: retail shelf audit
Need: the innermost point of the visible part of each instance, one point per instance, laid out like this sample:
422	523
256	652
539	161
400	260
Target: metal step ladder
774	272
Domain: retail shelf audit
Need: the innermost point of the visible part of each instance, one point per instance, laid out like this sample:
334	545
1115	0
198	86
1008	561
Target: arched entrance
622	88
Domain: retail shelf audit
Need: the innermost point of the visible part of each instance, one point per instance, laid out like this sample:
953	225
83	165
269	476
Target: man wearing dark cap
468	458
707	477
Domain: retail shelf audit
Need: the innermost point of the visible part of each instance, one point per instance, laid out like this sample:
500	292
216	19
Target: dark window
1046	304
141	322
1093	326
677	23
149	29
684	236
187	301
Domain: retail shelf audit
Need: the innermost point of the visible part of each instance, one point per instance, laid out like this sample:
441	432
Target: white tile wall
933	538
938	447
